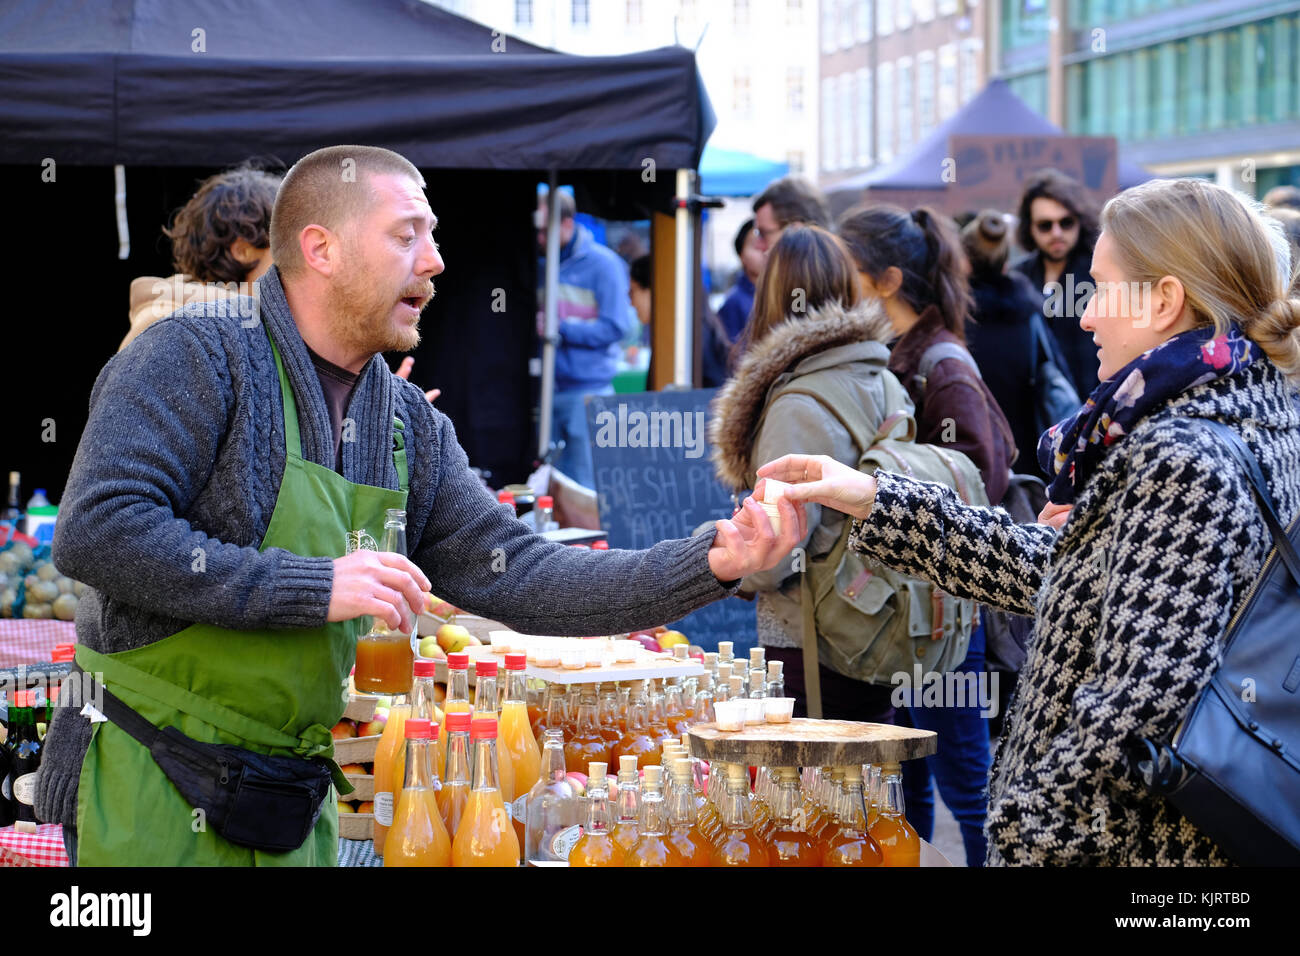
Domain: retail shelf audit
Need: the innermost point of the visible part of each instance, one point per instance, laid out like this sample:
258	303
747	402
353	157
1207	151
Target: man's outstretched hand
745	543
404	371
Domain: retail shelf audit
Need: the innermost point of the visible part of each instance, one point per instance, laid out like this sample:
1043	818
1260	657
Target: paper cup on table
625	651
778	710
754	710
729	715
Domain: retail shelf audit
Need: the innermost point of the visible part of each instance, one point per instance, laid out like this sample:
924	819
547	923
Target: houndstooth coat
1131	597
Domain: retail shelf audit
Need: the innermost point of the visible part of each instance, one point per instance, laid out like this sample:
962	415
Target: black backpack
1233	766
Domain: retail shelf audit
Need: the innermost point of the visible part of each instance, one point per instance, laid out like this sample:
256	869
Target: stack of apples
661	639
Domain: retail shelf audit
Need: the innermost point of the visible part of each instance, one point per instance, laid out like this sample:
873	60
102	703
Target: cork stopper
756	655
785	773
710	659
774	669
680	769
725	650
627	763
686	742
596	774
679	651
853	773
654	776
738	773
724	672
736	686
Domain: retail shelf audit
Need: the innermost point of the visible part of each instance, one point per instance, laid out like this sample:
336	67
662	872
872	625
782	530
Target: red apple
354	768
343	729
372	728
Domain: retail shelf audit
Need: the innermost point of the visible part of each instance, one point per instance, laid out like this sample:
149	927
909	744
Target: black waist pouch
251	799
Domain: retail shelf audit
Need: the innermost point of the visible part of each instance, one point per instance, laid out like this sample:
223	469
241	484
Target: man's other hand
381	584
746	544
404	371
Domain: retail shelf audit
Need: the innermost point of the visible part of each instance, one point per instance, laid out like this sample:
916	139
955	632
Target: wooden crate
356	749
356	826
361	707
365	787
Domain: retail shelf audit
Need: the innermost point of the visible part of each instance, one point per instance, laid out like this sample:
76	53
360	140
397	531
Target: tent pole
684	283
551	320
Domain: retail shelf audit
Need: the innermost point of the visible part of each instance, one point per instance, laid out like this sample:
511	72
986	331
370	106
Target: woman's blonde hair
1233	259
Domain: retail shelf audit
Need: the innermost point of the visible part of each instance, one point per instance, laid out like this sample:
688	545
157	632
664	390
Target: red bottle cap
63	652
516	662
601	545
483	728
506	497
545	501
458	662
425	667
457	721
485	668
418	728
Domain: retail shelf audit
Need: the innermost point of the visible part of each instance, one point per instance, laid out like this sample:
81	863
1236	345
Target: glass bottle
517	740
722	687
659	729
418	836
546	514
485	836
757	682
487	699
607	712
554	812
588	742
457	692
726	650
711	665
775	679
596	846
899	843
390	769
692	845
704	699
385	655
571	695
757	661
675	708
629	804
454	796
852	844
424	704
637	741
25	758
789	843
738	845
653	846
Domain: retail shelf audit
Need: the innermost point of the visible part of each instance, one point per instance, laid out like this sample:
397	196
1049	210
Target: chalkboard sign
655	480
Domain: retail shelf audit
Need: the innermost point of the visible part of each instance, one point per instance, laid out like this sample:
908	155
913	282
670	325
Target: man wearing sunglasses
1058	225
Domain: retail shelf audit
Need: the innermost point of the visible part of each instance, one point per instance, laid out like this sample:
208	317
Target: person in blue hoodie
594	316
740	300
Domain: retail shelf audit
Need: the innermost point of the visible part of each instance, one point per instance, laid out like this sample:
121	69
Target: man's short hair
1283	197
795	200
232	205
639	271
1069	192
330	188
742	234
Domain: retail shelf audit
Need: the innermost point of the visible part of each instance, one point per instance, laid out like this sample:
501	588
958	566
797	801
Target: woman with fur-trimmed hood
808	317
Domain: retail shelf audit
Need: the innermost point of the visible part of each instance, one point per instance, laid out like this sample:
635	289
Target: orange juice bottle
654	845
607	713
899	843
517	746
638	741
487	699
659	729
457	692
675	709
587	743
789	843
596	847
739	844
417	836
852	843
691	845
424	705
485	836
390	769
628	813
454	796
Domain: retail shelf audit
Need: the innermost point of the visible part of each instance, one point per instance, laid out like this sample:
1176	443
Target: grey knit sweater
1132	598
184	450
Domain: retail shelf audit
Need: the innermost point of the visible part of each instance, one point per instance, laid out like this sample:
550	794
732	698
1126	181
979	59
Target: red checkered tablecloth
32	641
42	848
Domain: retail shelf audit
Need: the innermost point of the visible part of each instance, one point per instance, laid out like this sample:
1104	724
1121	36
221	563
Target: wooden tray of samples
804	742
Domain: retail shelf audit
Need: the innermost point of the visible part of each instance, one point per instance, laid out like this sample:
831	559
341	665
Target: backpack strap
936	353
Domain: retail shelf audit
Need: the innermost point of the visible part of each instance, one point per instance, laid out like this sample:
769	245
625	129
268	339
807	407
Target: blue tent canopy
727	172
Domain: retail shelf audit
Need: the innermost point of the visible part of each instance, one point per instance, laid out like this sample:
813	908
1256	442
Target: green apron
273	691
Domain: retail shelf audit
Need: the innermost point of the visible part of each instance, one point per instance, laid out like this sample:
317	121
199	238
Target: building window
947	81
581	13
794	90
794	159
925	105
828	123
523	13
635	15
970	68
740	14
830	16
906	108
794	14
741	102
865	106
903	14
924	10
885	112
884	17
847	119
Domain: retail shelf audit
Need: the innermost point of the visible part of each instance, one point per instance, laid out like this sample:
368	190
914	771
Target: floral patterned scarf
1071	449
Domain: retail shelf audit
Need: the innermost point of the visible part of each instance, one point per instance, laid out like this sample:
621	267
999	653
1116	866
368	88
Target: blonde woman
1159	539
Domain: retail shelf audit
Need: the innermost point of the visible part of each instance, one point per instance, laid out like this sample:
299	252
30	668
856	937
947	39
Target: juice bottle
570	710
607	713
424	705
485	836
454	795
659	730
486	697
691	845
596	847
517	746
457	692
852	844
629	804
788	841
385	655
710	816
899	843
418	836
554	813
675	709
637	740
390	769
654	845
739	845
587	743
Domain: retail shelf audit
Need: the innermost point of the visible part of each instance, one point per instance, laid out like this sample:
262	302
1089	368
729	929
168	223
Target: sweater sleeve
613	307
481	558
1167	592
924	530
149	447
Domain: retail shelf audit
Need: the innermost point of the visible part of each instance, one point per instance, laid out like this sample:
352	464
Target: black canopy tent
173	91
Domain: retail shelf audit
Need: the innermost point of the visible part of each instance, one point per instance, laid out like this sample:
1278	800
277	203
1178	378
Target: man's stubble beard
360	316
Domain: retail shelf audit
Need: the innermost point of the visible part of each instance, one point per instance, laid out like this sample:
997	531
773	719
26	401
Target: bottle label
384	809
519	809
25	789
563	842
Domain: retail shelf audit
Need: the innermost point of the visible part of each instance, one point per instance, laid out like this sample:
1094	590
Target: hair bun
992	225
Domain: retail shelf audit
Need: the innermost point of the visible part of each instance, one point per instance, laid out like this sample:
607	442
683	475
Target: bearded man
226	464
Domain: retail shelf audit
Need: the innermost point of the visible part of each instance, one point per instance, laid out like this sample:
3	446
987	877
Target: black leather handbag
1233	765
